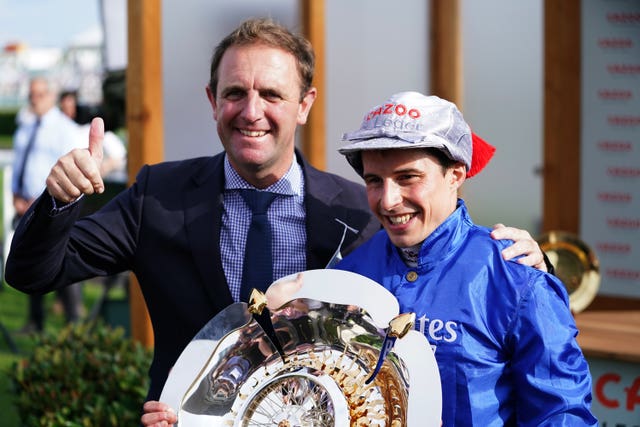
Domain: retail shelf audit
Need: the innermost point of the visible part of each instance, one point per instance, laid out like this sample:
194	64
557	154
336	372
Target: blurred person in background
44	134
68	103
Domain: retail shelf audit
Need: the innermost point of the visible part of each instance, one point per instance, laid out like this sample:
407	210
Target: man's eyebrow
270	91
407	170
232	88
369	175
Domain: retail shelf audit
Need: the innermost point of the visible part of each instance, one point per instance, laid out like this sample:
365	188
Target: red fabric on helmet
482	153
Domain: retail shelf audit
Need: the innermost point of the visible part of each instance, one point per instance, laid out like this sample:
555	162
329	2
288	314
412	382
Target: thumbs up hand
96	136
78	172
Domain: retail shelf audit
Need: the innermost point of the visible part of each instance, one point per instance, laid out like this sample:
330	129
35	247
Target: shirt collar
410	255
51	112
291	183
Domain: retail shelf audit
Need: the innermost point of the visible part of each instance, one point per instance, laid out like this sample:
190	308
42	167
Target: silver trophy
321	348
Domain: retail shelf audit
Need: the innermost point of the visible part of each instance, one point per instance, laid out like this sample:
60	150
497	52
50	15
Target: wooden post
314	132
144	120
562	129
446	51
562	123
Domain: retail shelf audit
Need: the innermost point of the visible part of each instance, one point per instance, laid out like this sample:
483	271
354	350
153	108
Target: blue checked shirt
286	215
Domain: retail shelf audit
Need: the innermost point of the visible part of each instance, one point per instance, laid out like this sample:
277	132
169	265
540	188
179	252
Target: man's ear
457	174
212	100
305	105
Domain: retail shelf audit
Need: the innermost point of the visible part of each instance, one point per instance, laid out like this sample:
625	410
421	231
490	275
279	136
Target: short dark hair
266	31
66	93
442	158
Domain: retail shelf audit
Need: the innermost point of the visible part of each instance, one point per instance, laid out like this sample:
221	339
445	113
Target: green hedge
88	375
7	122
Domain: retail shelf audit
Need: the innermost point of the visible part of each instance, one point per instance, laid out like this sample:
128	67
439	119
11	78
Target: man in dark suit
182	226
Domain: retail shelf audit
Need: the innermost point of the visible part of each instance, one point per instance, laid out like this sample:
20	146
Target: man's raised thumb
96	135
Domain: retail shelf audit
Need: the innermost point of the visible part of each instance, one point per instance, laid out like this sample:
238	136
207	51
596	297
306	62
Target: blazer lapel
324	233
203	216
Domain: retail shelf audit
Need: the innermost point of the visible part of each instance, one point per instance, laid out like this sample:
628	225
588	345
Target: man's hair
267	32
442	158
66	93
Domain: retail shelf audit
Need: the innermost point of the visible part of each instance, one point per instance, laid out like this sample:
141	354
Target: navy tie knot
257	267
258	201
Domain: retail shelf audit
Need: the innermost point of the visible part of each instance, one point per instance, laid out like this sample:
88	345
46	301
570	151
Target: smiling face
258	106
409	192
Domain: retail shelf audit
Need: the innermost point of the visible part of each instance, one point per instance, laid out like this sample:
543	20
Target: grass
6	141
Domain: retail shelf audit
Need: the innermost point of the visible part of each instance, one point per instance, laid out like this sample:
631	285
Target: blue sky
46	23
